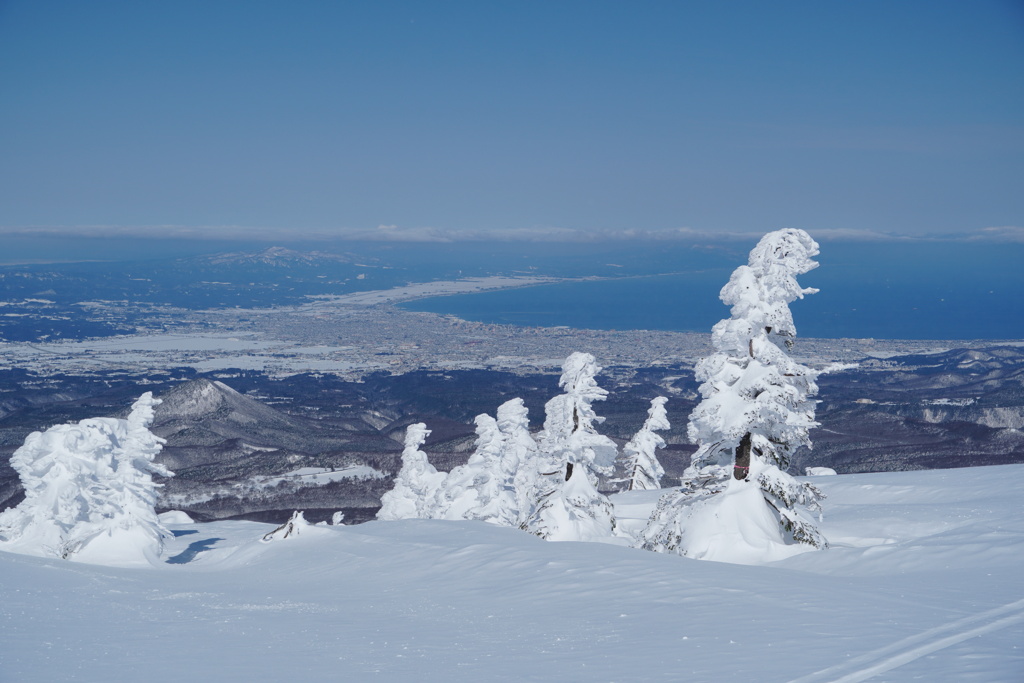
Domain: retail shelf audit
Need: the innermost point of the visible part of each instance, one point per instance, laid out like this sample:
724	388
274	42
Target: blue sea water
888	290
884	291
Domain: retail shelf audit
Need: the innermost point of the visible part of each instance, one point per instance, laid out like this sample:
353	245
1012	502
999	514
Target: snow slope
923	582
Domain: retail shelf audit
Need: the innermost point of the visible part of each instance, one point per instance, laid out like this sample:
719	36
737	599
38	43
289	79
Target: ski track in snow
904	651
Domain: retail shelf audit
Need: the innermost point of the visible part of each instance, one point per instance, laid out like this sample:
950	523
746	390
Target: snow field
922	582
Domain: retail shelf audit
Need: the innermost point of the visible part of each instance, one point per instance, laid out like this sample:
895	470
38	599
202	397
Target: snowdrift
922	582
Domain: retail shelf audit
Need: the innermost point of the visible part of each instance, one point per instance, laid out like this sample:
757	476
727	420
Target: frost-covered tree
493	486
755	412
417	482
89	491
479	489
566	503
133	522
61	471
518	457
643	471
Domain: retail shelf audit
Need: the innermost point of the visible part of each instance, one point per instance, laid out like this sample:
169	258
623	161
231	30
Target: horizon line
393	233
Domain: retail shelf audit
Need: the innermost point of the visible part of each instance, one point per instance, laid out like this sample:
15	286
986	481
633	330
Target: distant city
351	339
283	312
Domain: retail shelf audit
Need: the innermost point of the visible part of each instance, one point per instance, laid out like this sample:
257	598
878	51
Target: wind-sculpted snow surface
733	525
922	583
89	491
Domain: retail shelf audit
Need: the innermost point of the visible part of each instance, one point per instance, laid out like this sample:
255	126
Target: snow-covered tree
59	470
755	412
518	457
566	503
478	489
295	525
417	482
132	492
89	491
643	471
493	485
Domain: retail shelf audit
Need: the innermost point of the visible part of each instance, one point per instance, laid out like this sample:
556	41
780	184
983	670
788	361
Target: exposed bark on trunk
742	467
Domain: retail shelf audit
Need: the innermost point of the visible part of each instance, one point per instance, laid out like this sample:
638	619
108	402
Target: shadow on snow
189	553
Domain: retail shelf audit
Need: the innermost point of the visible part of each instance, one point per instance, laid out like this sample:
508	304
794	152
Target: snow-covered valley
922	582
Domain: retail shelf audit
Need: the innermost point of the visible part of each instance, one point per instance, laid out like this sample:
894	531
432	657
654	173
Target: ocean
937	290
909	289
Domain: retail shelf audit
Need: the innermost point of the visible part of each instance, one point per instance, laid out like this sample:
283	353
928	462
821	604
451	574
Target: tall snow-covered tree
89	492
640	461
518	456
566	503
493	486
755	412
417	482
478	489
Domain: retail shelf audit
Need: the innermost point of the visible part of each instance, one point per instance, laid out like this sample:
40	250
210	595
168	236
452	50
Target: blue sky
329	118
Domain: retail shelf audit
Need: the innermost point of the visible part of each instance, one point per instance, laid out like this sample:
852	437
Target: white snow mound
922	582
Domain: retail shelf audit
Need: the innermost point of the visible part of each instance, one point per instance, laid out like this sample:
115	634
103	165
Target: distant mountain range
960	408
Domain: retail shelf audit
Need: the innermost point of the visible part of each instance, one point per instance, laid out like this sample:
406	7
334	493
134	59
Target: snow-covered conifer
59	470
643	471
755	413
566	503
478	489
133	523
417	482
518	457
89	492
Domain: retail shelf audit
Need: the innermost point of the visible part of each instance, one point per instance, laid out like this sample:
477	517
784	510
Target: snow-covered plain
923	582
318	476
420	290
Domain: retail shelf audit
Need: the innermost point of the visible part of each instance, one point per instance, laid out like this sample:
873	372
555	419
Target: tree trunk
742	467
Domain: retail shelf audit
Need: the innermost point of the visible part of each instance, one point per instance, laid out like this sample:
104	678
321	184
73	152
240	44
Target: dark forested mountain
960	408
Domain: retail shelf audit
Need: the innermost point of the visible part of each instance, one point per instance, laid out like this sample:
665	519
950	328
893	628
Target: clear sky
896	117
